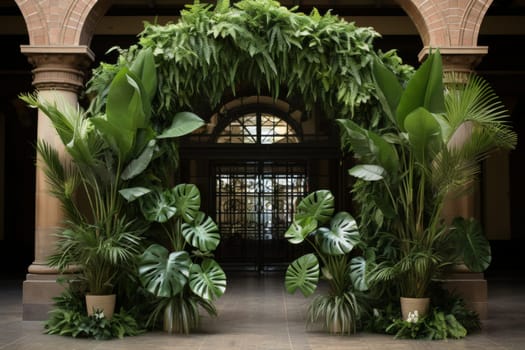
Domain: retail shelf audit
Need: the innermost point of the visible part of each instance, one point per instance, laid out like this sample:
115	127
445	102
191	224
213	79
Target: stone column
458	64
58	74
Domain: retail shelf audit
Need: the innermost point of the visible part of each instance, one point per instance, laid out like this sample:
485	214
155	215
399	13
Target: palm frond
100	255
476	102
86	145
452	170
62	177
61	113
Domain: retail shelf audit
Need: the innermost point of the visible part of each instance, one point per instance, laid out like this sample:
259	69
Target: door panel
254	206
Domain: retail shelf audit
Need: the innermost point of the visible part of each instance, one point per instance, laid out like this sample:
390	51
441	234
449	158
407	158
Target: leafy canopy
320	59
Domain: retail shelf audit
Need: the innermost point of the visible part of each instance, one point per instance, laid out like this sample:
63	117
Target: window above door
255	126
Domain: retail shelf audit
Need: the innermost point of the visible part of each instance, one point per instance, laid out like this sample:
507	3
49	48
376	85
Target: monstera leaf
302	274
162	273
318	205
187	200
157	206
202	233
357	273
473	246
341	237
207	280
300	229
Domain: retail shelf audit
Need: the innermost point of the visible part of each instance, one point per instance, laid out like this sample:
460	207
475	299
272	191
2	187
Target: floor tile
257	314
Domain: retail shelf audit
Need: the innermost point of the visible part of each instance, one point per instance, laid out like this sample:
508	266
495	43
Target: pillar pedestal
472	287
38	293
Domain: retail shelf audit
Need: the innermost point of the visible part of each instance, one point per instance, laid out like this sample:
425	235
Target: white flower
99	315
413	316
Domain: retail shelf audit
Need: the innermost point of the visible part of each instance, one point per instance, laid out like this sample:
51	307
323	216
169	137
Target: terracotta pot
104	303
411	307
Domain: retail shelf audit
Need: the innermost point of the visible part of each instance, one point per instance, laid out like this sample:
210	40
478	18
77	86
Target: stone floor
257	314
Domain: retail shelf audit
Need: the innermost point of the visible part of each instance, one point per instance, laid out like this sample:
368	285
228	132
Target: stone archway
452	26
447	23
71	23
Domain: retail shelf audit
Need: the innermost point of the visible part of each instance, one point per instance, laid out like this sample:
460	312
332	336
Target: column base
38	291
472	287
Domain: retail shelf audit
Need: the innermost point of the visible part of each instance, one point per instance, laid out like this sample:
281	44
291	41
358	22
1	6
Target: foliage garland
320	59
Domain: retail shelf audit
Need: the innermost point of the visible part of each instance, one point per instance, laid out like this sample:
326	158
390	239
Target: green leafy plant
437	137
332	238
183	276
107	151
317	59
448	318
110	147
434	326
469	244
68	318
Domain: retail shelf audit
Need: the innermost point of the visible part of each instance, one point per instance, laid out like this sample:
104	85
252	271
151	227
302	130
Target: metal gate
254	207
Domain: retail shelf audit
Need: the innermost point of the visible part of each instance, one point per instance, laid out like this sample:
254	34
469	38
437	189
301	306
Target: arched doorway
256	159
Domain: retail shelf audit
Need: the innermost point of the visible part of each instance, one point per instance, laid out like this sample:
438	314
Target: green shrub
69	318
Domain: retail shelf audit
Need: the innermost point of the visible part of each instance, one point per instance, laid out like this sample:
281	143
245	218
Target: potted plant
332	238
435	138
107	149
181	273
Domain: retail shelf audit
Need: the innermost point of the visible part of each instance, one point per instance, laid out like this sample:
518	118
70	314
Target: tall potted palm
107	150
409	168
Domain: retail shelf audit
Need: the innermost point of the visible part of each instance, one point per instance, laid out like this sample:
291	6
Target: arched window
256	124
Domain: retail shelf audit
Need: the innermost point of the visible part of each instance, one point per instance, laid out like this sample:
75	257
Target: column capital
58	67
462	59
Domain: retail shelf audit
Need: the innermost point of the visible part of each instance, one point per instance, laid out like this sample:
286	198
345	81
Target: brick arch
62	22
452	23
413	10
472	20
72	22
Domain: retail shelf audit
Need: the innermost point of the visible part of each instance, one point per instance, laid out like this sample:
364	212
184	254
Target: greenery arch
319	59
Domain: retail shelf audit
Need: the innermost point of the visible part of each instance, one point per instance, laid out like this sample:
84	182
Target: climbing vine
319	58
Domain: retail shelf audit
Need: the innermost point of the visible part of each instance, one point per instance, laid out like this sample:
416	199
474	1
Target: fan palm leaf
72	126
61	114
63	179
477	103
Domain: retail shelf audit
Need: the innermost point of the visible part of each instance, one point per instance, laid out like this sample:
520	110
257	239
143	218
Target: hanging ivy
322	59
